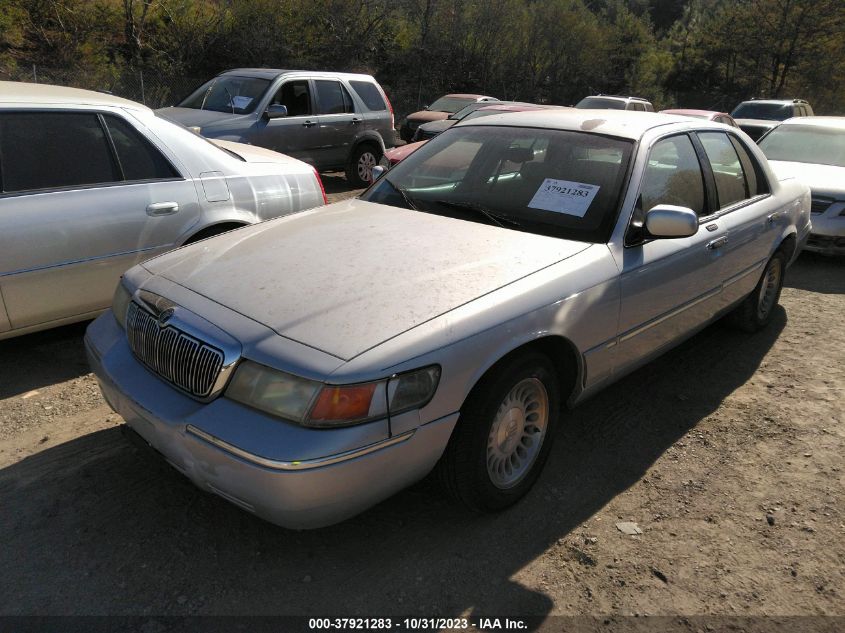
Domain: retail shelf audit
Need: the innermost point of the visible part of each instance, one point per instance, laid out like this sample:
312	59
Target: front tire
755	312
503	436
359	171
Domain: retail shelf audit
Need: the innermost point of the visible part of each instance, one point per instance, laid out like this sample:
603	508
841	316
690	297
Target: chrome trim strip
78	261
668	315
306	464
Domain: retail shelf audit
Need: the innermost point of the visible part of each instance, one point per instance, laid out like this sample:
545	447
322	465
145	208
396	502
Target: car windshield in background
805	144
770	111
553	182
449	104
237	95
601	104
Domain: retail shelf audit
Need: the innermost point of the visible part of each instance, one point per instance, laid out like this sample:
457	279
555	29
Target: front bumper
293	493
825	244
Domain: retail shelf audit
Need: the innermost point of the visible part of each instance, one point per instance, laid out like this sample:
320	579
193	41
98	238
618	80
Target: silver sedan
309	367
91	185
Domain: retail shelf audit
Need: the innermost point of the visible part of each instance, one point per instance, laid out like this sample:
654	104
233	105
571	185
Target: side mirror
276	111
377	172
425	107
668	221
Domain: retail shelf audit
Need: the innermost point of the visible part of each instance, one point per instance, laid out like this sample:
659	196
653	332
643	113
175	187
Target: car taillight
322	188
389	107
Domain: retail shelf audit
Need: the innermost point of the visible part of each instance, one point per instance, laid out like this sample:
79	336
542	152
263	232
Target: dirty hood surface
346	277
822	179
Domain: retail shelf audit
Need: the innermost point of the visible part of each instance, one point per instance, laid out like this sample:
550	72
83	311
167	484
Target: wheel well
560	351
367	142
788	246
211	231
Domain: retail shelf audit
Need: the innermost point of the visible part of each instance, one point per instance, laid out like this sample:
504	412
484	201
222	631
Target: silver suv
615	102
334	121
758	116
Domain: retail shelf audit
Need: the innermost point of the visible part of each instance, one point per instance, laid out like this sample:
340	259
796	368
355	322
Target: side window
727	170
46	150
332	97
139	160
637	107
754	177
295	96
370	95
673	176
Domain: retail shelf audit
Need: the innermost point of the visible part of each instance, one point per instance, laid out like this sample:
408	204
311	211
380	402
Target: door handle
356	121
309	124
773	216
162	208
717	243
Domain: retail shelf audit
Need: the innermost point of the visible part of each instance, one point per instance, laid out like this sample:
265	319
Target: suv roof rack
601	94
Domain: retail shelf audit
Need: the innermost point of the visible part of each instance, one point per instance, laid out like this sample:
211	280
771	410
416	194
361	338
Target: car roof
621	123
837	122
692	111
463	95
272	73
774	101
513	107
21	92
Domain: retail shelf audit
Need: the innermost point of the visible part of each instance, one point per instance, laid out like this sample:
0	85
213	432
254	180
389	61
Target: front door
669	286
296	134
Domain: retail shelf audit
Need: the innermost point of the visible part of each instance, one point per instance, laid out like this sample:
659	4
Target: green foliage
698	53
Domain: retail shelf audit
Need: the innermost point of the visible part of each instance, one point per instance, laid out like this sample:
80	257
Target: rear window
370	95
43	150
769	111
600	103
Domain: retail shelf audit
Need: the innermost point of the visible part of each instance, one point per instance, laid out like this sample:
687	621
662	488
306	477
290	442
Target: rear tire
503	436
359	170
755	311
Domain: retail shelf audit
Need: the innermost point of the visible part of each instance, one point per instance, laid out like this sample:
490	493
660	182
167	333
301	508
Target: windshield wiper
404	195
472	206
231	99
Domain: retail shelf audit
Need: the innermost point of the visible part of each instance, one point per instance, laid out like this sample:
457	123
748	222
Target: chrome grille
180	359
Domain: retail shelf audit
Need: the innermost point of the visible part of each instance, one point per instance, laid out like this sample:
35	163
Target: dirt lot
727	453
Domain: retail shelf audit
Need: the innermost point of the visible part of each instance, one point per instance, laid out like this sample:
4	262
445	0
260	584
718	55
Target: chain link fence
152	89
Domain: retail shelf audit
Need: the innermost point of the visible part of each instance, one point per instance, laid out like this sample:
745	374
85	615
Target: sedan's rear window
553	182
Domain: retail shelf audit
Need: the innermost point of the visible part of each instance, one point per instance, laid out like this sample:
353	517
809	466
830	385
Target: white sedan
92	185
812	149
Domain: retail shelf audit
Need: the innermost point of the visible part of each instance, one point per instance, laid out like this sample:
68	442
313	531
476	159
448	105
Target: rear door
84	197
339	123
745	209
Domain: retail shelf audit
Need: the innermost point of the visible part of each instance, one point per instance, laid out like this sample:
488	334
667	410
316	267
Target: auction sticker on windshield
564	196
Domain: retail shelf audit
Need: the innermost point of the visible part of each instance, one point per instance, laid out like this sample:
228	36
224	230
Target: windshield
599	103
805	144
450	104
236	95
552	182
770	111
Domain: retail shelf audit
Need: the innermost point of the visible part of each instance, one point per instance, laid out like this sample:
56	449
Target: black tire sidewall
480	411
758	322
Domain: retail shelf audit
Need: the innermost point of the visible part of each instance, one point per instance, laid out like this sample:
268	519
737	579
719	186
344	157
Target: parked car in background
707	115
333	121
93	184
397	154
513	265
615	102
758	116
440	109
812	149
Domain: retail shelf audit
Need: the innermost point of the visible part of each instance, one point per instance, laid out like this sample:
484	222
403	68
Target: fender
368	136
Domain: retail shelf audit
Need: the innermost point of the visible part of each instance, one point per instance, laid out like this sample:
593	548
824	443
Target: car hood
427	115
347	277
438	126
191	117
397	154
821	179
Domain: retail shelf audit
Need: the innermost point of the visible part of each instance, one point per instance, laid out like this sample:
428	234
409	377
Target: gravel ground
726	453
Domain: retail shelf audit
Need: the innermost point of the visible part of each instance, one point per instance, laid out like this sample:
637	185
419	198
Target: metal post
143	98
34	74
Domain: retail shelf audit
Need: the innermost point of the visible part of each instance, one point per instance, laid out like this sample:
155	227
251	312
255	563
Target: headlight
120	304
313	404
273	391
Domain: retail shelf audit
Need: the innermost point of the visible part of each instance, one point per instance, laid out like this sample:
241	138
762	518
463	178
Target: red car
710	115
398	154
